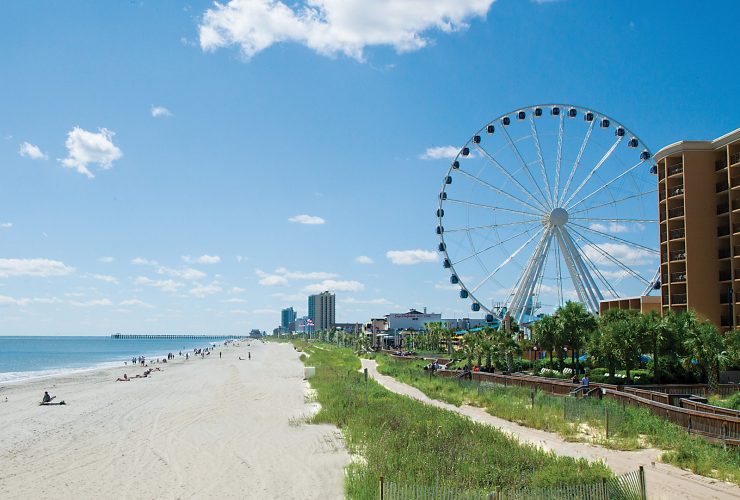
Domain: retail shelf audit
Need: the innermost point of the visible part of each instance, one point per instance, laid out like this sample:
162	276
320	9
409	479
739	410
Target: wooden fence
716	410
717	425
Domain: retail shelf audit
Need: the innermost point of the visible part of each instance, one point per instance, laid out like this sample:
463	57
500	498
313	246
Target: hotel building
699	218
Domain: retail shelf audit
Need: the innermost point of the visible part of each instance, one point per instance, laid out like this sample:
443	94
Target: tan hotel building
699	217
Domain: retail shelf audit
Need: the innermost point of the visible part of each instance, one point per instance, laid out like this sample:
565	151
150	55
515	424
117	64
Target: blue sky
114	219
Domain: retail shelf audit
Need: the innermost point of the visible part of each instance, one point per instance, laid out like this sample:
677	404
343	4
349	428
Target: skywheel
546	204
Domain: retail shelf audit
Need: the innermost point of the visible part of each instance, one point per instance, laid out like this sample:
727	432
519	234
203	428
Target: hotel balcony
679	277
735	158
719	165
675	212
721	187
723	231
678	298
675	191
679	255
676	233
675	169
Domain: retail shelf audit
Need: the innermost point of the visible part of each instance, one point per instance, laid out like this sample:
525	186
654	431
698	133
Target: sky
171	167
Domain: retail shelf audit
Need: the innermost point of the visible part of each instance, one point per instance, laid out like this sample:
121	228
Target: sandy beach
202	428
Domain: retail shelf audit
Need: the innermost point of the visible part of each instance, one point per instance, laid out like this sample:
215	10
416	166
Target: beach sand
203	428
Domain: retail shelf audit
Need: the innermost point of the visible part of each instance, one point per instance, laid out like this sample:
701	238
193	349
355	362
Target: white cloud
240	258
6	225
85	148
28	150
271	279
25	301
307	219
160	111
334	286
164	285
106	260
239	311
282	276
446	286
409	257
92	303
611	228
237	289
264	311
42	268
203	259
352	300
106	278
187	273
141	261
332	27
441	152
202	291
235	300
364	259
624	253
135	302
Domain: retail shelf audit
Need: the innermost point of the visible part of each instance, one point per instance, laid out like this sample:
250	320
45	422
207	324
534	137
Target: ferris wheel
545	204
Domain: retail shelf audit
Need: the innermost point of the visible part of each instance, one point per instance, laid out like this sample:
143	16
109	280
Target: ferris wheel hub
558	217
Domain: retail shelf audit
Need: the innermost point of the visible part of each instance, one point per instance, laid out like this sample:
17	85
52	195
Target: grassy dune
406	441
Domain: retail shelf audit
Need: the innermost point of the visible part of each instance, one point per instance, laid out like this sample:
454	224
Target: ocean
23	358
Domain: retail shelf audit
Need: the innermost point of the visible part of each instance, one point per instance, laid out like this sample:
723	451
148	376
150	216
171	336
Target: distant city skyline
186	168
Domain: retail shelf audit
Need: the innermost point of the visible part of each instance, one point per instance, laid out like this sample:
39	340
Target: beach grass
405	441
629	428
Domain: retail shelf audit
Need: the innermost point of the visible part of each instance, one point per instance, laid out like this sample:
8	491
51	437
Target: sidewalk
663	481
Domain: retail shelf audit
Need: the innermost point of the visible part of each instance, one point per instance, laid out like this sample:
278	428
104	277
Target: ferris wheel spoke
612	258
604	219
613	202
559	277
491	207
493	226
497	190
606	185
584	143
497	244
558	160
536	138
617	238
507	260
596	167
488	156
518	154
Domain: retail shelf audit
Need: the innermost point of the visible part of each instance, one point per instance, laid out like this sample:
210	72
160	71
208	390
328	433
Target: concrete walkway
663	481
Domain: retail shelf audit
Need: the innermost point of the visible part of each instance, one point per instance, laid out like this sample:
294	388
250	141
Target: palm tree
469	345
545	332
577	325
706	347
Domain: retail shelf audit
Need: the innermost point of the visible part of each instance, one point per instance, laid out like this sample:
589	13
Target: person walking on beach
219	354
250	355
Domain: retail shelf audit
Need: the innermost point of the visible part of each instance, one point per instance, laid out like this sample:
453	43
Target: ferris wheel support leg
593	290
570	264
529	278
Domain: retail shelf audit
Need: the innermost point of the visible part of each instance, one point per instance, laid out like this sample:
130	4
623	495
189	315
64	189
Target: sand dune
205	428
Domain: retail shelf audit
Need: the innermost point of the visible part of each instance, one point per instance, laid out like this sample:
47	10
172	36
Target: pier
165	336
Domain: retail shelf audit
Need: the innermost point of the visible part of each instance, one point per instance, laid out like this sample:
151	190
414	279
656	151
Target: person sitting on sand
123	379
47	398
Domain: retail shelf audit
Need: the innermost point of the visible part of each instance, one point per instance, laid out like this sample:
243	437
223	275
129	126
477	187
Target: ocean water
23	358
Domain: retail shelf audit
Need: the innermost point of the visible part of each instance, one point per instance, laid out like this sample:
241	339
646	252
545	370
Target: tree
604	343
706	348
469	342
577	325
545	332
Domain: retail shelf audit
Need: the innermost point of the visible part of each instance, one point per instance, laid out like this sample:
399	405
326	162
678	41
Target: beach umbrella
583	357
645	359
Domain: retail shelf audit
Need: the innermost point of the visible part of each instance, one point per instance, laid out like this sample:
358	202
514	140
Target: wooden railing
697	419
706	408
